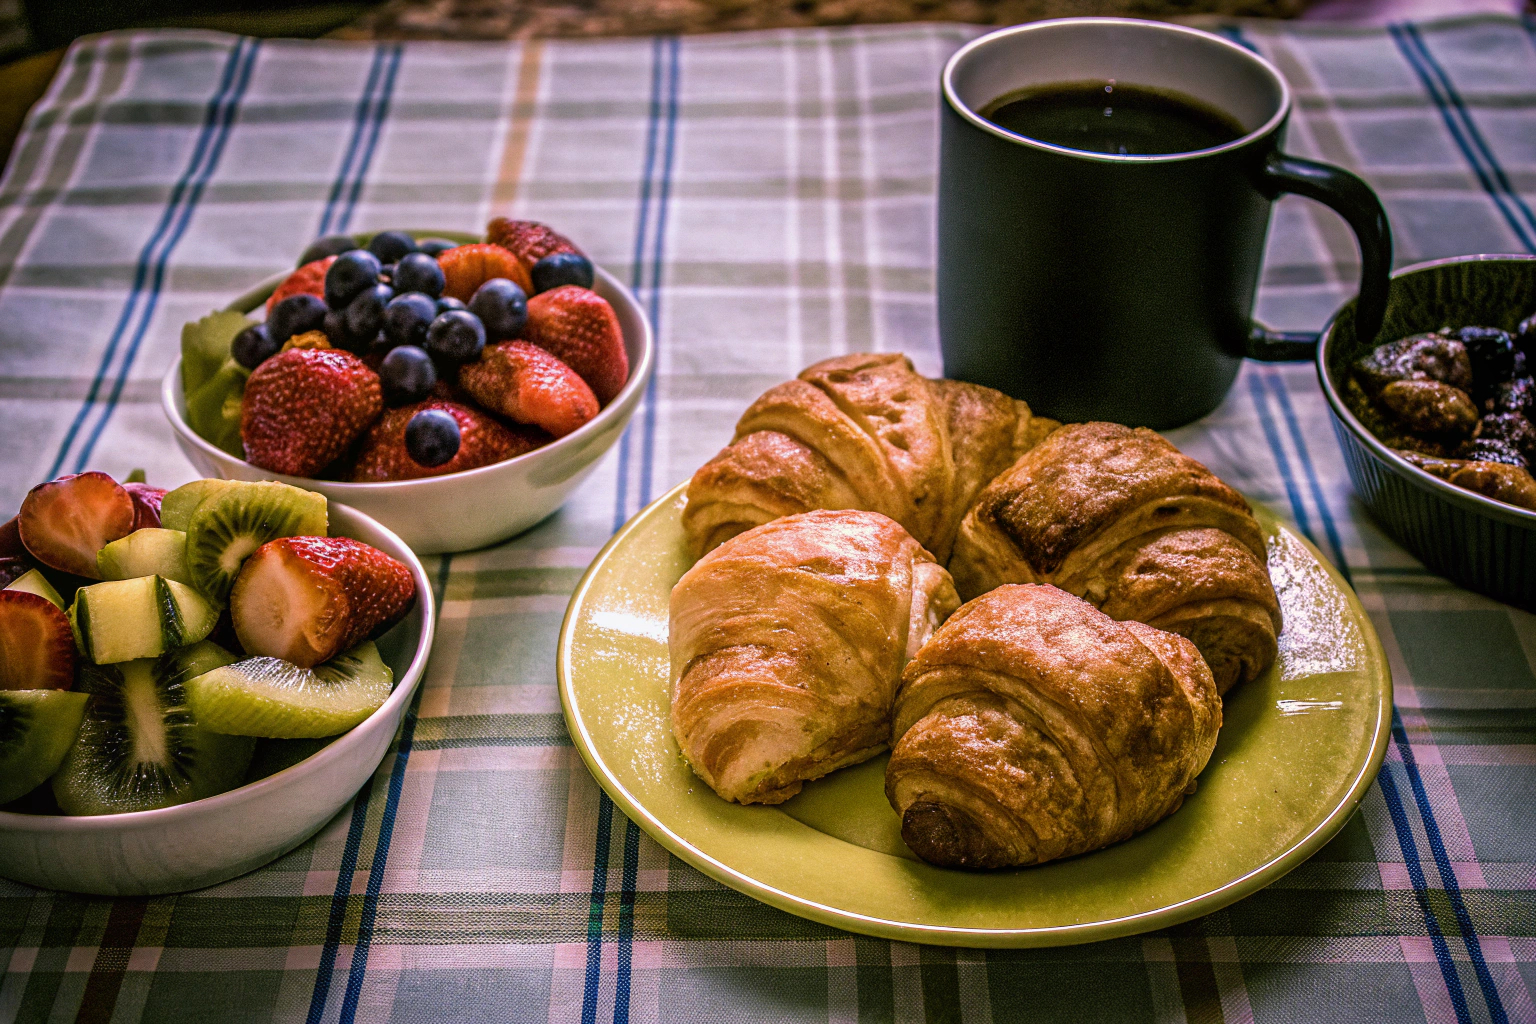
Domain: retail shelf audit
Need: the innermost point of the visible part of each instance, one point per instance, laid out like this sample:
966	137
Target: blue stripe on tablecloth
358	968
359	123
150	267
1410	765
595	909
322	990
375	129
1468	139
631	866
1298	441
1389	790
1421	885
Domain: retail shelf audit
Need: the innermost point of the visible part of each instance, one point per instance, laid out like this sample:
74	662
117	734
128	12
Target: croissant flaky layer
861	431
787	643
1032	727
1123	519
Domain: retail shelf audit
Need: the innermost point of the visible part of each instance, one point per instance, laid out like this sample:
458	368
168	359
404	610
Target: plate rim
906	931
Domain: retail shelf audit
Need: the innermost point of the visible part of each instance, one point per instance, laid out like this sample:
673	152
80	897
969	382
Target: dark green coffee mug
1114	287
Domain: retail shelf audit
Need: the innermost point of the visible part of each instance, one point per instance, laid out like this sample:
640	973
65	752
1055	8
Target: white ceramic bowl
174	849
457	511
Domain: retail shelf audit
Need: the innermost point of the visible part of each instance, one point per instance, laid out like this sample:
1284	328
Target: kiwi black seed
234	521
140	747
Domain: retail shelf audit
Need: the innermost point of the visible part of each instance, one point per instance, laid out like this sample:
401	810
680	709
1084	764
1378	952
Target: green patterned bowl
1484	545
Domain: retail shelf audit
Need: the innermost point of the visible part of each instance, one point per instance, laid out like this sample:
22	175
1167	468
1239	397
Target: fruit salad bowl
463	510
196	844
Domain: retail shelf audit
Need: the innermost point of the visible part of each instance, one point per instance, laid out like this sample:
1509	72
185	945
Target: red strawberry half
303	408
578	327
482	441
37	647
307	280
527	384
307	599
529	239
66	521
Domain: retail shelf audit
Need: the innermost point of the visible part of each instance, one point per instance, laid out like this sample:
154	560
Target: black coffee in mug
1097	282
1107	117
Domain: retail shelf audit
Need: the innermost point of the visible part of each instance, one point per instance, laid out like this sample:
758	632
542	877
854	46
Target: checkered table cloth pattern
770	197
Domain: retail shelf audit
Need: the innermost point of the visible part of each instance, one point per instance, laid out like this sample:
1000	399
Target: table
770	197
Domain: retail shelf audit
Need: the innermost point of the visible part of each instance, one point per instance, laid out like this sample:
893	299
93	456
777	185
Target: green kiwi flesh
140	746
177	506
122	620
34	582
233	521
276	699
37	728
147	552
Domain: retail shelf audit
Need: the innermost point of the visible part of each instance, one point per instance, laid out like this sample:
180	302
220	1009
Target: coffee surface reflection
1106	117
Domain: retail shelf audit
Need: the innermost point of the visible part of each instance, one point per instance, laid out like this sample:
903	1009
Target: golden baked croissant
1123	519
787	642
1033	726
861	431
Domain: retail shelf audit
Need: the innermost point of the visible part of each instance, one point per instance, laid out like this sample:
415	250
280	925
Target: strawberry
578	327
146	504
307	280
529	239
307	599
467	267
527	384
482	441
66	521
37	646
304	407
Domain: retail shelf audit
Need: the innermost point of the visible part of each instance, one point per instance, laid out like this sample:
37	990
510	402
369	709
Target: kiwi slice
34	582
234	521
213	410
177	506
140	746
276	699
37	728
122	620
146	552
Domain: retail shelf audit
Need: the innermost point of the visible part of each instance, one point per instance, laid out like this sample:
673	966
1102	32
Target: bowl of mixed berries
192	682
414	377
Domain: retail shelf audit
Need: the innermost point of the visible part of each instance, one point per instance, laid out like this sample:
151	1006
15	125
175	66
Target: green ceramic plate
1297	751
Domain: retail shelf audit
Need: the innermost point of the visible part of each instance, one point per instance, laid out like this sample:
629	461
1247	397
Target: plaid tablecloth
770	198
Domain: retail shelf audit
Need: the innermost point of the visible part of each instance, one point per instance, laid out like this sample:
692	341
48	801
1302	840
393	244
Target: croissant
1124	520
1033	726
787	642
861	431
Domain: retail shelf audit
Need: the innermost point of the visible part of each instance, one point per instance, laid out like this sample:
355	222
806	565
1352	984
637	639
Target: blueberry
406	319
1492	352
432	437
330	245
253	346
350	274
390	246
560	268
407	375
419	272
446	303
1525	336
295	315
435	247
502	307
365	314
456	336
339	335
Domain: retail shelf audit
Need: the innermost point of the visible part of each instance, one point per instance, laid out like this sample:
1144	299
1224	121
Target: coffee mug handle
1353	200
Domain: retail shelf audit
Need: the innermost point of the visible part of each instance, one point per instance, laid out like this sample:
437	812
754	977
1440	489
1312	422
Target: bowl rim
639	377
403	692
1469	500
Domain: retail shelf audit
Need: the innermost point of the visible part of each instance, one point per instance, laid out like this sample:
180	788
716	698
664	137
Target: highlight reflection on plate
1297	750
